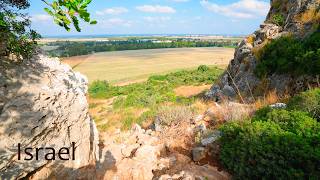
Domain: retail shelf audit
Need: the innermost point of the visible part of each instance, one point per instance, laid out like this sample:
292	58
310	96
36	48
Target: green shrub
99	89
308	101
261	114
278	19
285	145
203	68
290	55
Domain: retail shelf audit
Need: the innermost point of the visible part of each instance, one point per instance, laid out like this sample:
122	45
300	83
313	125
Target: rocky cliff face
239	78
43	104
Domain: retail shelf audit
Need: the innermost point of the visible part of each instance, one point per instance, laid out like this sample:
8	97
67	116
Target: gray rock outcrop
240	77
43	104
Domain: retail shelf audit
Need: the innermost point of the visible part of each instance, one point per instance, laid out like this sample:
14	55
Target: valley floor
123	67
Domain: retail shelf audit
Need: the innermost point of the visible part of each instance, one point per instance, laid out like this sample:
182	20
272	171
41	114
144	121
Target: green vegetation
68	49
307	101
290	55
278	19
153	98
157	89
66	13
18	40
275	143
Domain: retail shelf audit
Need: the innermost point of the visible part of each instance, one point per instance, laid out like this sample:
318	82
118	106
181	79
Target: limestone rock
44	105
278	106
200	128
138	158
211	138
198	153
229	91
215	93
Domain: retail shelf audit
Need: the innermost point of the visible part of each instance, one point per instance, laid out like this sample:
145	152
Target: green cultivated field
124	67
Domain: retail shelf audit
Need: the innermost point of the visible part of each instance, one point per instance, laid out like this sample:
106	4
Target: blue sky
161	17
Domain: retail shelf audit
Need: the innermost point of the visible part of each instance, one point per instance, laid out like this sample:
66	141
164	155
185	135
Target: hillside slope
296	19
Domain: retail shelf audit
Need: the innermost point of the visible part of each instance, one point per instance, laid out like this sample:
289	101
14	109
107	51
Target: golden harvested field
122	67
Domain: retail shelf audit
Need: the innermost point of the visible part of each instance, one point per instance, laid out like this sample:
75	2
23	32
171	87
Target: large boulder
43	104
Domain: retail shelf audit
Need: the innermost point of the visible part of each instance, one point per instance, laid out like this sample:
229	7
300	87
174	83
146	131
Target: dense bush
308	101
158	88
276	144
290	55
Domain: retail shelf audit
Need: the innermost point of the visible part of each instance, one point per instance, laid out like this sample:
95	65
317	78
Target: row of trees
68	49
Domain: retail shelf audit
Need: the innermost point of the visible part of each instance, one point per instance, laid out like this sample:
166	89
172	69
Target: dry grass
178	137
201	106
127	66
168	115
108	119
310	16
271	98
189	91
250	40
229	111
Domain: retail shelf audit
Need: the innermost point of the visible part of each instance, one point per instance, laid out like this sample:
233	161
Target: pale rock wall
43	104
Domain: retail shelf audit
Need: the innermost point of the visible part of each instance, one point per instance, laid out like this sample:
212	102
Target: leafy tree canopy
18	40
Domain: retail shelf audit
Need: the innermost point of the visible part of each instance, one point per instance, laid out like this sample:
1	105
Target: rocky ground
170	153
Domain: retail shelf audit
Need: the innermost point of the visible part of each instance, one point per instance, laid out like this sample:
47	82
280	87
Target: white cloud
115	22
156	9
160	19
40	17
241	9
112	11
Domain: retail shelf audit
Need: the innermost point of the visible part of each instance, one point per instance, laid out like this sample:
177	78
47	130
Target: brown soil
189	91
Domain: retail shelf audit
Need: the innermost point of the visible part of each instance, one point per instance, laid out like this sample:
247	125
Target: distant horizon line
143	35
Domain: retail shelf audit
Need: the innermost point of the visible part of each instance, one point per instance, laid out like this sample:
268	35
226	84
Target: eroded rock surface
240	78
43	104
142	155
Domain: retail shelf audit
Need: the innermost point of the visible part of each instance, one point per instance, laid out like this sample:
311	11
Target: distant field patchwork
123	67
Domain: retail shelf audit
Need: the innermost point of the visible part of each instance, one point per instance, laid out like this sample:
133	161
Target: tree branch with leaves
18	40
67	12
